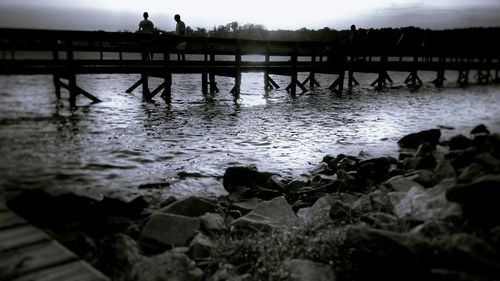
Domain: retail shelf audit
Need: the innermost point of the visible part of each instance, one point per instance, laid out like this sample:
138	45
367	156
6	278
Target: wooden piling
204	78
211	76
267	84
293	81
167	80
463	77
383	76
237	78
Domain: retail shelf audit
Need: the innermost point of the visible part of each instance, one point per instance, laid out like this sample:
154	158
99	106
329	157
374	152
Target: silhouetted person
146	26
180	30
354	42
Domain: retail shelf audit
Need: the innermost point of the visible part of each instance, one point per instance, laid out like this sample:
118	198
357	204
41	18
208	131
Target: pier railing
65	54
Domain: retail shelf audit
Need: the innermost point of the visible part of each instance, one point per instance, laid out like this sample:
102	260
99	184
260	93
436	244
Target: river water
124	142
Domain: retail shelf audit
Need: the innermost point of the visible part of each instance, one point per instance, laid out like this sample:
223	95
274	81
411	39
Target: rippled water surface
124	142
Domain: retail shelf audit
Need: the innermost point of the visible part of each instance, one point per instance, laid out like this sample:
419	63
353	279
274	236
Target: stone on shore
479	200
383	255
480	129
266	216
306	270
200	247
167	266
212	223
190	207
460	142
57	208
415	139
236	178
401	184
427	204
169	229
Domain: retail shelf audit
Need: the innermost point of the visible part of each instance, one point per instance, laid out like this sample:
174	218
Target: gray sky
113	15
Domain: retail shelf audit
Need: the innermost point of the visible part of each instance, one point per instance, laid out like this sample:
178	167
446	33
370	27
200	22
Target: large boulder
167	266
190	207
319	210
376	169
200	247
382	255
479	200
401	184
266	216
425	204
118	254
58	208
467	253
415	139
306	270
471	172
169	229
236	178
460	142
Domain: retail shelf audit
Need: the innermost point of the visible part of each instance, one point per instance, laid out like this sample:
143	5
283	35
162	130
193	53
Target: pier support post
292	87
463	77
383	76
204	83
267	84
167	80
204	79
145	86
438	82
167	90
351	80
57	86
237	78
211	76
72	90
312	76
483	77
338	85
413	80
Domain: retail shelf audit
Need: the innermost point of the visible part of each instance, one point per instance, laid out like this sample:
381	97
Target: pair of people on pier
147	26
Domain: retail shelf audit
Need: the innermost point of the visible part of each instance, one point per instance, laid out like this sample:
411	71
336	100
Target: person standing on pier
180	30
146	26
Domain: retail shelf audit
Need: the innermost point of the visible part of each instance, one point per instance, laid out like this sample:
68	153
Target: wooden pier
27	253
65	54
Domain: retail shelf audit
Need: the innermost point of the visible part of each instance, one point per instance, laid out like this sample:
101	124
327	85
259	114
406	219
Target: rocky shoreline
429	215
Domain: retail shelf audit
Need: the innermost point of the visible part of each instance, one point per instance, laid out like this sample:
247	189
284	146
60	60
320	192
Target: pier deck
27	253
65	54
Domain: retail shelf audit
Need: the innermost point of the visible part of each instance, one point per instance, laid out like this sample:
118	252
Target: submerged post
204	77
167	80
237	78
213	83
267	85
56	77
438	82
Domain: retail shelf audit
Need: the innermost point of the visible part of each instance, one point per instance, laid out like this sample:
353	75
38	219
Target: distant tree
234	26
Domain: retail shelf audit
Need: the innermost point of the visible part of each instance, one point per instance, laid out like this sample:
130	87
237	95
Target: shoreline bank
430	214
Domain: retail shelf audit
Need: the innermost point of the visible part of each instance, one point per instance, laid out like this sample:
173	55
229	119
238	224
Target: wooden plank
9	220
74	271
25	260
19	236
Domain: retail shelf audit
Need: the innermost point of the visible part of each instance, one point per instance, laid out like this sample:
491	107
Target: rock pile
431	214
